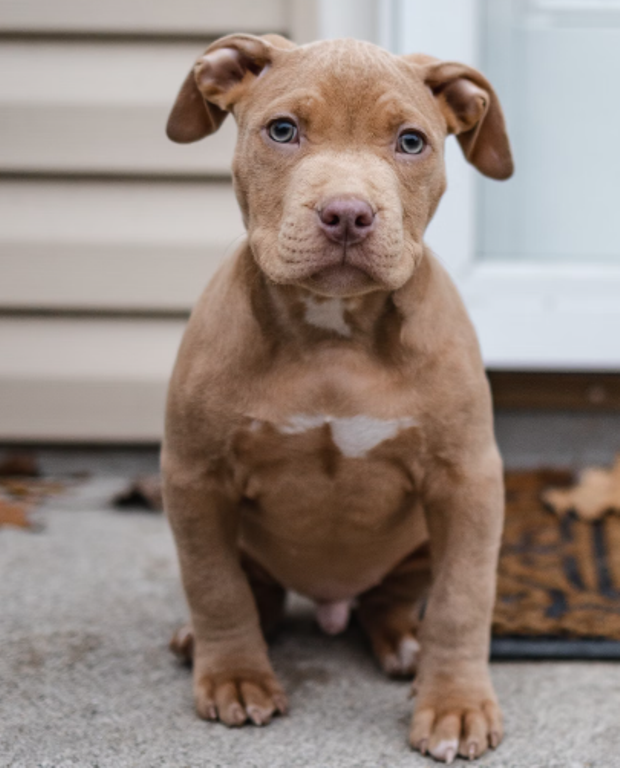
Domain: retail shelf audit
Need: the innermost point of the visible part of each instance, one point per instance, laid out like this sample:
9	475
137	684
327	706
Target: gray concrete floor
88	603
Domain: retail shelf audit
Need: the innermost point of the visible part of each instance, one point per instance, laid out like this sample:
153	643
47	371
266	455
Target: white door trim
528	315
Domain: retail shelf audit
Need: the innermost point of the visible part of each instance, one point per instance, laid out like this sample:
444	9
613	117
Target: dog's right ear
216	82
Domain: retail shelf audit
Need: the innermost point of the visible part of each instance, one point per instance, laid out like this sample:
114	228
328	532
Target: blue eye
283	131
411	143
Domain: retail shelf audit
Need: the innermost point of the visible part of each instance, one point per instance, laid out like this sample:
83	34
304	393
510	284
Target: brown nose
347	220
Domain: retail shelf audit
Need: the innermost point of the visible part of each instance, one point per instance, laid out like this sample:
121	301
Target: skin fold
329	425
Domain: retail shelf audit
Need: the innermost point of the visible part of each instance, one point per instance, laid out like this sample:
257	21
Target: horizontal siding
100	108
112	245
101	213
144	16
88	379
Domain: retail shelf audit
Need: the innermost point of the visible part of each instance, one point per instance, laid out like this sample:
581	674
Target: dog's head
339	162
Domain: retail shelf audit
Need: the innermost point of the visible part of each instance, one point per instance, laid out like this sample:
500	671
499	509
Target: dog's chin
340	280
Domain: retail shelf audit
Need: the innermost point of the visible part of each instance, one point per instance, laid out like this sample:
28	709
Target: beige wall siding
99	107
112	245
181	17
85	379
101	214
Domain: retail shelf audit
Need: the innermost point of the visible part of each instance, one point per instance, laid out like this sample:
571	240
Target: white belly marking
354	436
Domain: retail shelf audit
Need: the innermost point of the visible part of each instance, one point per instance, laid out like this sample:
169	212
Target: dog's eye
283	131
411	143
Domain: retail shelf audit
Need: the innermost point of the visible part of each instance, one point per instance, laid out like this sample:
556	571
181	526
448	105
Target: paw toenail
238	714
258	716
281	703
446	750
408	652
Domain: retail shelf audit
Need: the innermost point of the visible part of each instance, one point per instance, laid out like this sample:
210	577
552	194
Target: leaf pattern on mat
22	489
557	576
14	514
596	493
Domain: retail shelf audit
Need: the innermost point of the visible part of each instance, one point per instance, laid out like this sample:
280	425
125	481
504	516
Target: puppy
329	425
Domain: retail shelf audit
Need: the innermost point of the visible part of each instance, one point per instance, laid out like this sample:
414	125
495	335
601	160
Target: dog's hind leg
270	597
390	614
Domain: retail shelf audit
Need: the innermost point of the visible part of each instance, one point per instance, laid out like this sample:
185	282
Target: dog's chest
346	472
325	423
329	500
321	444
351	436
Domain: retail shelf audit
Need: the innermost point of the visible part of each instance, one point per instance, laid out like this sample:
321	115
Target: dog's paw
182	643
392	635
397	655
236	697
445	726
392	628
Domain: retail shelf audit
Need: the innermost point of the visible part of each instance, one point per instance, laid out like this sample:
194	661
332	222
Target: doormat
558	579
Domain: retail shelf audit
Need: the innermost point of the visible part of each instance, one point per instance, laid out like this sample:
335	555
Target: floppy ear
216	81
473	113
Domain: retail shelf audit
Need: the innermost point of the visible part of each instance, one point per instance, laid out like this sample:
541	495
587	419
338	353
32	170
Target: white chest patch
354	436
327	313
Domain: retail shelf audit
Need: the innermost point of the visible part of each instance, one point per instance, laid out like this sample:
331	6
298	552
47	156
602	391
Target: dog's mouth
341	269
343	279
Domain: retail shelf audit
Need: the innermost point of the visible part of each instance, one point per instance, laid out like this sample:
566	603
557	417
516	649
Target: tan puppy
329	421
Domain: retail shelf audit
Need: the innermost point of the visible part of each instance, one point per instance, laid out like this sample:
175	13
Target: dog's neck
315	317
293	314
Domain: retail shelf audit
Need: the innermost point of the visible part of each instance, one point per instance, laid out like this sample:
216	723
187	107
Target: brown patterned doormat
559	577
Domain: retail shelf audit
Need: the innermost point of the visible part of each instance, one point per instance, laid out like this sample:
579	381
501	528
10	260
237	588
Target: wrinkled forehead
346	85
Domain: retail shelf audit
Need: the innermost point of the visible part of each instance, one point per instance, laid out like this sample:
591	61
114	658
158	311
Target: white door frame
528	315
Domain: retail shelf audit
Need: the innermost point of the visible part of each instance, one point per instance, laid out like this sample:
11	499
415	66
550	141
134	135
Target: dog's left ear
216	82
473	113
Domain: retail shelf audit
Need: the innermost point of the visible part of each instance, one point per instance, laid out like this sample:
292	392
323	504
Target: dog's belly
326	565
329	518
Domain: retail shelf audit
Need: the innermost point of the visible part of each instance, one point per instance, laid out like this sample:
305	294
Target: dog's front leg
233	678
456	707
